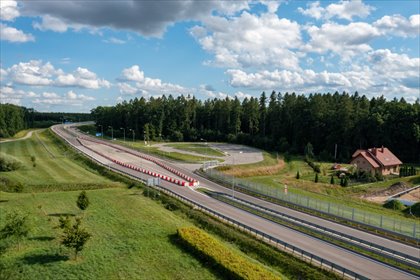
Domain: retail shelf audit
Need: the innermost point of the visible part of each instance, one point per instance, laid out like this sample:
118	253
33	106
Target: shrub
9	163
413	210
234	265
297	175
332	180
82	201
394	204
316	177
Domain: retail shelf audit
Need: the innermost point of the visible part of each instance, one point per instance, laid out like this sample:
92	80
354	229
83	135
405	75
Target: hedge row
235	266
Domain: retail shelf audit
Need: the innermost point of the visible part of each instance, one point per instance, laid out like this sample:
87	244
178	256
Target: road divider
136	168
191	181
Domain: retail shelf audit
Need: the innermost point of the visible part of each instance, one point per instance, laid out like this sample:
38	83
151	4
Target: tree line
14	118
279	122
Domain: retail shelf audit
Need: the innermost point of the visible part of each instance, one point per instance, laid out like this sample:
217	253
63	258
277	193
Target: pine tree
332	180
82	201
297	175
316	177
74	236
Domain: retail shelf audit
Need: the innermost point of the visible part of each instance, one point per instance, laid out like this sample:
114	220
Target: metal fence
395	225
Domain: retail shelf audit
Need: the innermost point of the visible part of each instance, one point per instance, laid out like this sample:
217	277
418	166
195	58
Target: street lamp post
102	131
112	132
207	145
233	177
132	130
124	132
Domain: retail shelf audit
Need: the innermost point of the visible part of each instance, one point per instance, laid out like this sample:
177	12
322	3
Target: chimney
382	149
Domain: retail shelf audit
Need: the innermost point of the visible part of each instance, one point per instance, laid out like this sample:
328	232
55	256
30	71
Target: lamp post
233	177
112	132
132	130
102	131
124	132
207	145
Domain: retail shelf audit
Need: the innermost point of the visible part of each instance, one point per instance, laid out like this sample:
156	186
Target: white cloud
399	26
37	73
8	10
71	99
145	85
388	73
14	35
242	95
82	78
210	92
33	73
51	23
9	94
345	40
116	41
250	40
343	10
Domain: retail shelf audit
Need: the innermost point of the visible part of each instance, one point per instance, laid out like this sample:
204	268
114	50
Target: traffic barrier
176	172
166	178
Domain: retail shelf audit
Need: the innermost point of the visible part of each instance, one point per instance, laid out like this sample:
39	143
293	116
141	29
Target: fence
394	225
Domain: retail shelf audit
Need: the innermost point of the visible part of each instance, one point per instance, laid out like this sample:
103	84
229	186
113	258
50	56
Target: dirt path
28	135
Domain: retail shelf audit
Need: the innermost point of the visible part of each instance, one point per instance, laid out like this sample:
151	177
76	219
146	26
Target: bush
297	175
234	265
82	201
394	205
176	136
9	163
413	210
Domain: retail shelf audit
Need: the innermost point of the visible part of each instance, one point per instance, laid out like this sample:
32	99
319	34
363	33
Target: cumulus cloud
343	10
9	94
399	26
388	73
135	82
70	98
8	10
345	40
250	40
11	34
209	92
37	73
51	23
148	18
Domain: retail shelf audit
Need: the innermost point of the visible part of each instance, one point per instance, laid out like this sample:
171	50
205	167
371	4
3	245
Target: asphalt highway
347	259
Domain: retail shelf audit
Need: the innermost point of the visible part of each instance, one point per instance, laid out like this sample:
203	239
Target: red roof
378	157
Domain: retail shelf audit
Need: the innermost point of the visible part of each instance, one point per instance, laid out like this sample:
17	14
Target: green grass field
53	167
197	148
131	238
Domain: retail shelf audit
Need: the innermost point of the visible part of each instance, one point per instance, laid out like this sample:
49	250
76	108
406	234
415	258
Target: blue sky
74	55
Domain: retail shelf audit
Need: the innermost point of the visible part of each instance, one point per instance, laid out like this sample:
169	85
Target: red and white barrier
191	182
154	174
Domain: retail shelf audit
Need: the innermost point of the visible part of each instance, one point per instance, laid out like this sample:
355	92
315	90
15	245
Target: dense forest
14	118
279	122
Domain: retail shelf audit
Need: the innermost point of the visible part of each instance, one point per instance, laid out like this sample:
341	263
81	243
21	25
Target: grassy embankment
53	170
131	235
198	148
276	176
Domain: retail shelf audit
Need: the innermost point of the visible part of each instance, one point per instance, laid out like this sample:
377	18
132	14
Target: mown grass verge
47	164
211	250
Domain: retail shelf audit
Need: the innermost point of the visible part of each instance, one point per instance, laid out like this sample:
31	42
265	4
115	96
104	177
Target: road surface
345	258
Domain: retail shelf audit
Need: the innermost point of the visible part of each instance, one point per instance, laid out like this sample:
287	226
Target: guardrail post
352	214
382	218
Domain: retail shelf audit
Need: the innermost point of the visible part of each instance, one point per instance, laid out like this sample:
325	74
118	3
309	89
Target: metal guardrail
351	240
270	239
312	258
405	230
